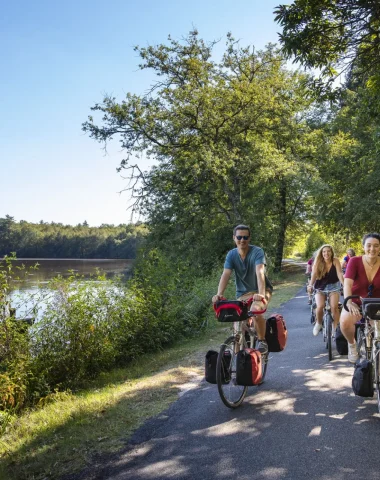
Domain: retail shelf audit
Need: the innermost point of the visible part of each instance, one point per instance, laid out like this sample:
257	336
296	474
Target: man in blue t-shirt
248	263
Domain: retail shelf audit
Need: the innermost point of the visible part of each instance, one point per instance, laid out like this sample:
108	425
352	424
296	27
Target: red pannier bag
249	369
276	334
232	310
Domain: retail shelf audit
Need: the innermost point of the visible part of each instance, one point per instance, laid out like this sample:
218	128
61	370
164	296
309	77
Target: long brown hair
319	262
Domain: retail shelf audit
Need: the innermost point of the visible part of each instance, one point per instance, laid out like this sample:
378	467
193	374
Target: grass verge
63	435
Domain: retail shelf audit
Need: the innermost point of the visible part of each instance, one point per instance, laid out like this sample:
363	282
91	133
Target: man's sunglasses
241	237
370	290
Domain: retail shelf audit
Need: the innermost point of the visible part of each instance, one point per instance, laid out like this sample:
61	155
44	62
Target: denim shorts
329	288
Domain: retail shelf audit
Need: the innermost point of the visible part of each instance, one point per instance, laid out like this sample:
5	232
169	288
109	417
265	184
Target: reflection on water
50	268
31	288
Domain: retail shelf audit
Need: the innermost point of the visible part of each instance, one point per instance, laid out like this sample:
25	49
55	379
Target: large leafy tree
342	37
349	195
231	140
334	36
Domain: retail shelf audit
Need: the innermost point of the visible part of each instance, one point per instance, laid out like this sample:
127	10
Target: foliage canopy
231	140
333	36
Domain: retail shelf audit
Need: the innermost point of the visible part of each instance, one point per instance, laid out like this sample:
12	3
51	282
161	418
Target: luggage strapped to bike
235	310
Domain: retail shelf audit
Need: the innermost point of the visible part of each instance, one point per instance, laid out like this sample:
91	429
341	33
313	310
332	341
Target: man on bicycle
248	263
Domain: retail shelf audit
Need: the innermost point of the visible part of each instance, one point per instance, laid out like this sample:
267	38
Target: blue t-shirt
245	270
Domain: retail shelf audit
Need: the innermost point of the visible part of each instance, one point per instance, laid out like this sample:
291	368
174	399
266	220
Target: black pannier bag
210	366
341	342
371	308
362	382
232	310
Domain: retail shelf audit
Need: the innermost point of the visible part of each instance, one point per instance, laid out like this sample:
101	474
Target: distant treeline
55	240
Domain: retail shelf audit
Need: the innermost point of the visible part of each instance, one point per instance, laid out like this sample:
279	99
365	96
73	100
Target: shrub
89	327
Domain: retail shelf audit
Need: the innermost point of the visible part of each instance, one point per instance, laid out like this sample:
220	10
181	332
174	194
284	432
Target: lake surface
50	268
31	281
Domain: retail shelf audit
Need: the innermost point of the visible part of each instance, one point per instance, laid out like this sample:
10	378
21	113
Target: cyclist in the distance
326	277
362	278
248	263
346	259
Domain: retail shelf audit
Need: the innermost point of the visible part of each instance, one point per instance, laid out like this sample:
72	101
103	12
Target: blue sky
57	60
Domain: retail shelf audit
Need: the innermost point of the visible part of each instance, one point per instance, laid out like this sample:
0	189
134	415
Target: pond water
26	290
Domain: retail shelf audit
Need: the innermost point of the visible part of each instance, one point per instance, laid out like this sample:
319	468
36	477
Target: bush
89	327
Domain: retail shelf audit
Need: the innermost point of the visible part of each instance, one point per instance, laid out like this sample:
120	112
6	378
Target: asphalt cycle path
304	422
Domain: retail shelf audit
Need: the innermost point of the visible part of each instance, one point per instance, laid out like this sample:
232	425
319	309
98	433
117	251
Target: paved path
303	423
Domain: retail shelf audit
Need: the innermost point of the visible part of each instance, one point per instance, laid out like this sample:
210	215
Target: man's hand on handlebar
259	304
216	298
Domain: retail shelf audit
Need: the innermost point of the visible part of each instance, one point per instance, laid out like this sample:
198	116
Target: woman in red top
362	278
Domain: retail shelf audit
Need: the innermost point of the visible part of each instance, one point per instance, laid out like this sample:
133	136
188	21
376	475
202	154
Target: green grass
65	433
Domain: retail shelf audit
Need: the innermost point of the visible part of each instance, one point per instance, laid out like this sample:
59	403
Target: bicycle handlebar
346	300
252	313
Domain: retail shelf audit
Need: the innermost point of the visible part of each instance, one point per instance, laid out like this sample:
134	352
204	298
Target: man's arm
260	274
223	282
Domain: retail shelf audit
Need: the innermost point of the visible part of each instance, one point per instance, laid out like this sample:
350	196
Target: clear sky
57	60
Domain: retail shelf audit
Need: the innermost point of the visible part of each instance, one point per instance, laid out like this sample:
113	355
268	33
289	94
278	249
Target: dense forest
55	240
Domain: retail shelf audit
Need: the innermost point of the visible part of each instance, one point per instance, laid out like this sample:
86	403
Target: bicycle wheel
377	376
361	344
324	329
312	315
231	394
329	322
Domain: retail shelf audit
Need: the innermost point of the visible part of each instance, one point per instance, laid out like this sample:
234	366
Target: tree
55	240
348	200
333	36
231	140
6	230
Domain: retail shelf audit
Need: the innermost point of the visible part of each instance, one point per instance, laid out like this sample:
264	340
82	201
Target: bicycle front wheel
231	394
329	322
312	315
324	330
377	377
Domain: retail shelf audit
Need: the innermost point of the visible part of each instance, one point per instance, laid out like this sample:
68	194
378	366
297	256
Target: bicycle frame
231	393
371	339
241	329
327	324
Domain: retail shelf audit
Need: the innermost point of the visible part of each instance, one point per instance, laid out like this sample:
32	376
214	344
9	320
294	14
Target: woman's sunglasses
370	290
240	237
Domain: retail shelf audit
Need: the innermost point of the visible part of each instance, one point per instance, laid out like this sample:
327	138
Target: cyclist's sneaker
262	347
317	328
352	353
